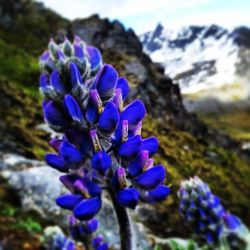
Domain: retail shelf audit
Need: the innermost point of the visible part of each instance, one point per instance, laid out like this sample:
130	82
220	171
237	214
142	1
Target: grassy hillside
20	103
235	123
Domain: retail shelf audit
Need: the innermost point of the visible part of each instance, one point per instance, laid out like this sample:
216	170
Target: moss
18	66
18	230
21	113
28	224
235	123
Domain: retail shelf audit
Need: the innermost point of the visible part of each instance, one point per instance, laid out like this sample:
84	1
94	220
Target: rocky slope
210	63
187	146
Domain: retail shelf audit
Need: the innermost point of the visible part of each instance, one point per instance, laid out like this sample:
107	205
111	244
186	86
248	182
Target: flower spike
100	145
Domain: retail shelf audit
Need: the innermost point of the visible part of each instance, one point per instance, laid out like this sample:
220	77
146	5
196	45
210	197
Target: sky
144	15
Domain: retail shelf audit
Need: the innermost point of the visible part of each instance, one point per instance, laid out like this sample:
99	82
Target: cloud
117	9
143	15
225	18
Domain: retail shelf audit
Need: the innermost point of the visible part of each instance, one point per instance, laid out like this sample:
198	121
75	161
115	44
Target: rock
137	69
37	186
14	162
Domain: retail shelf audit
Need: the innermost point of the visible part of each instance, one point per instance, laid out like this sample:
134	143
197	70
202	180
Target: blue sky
143	15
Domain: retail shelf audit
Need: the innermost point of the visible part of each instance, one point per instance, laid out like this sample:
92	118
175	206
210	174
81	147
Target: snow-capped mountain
208	62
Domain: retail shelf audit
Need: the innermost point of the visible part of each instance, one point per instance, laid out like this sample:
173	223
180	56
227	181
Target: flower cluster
101	146
56	240
206	217
98	243
81	230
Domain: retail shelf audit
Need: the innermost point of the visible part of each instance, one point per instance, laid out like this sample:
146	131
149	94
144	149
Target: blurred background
188	61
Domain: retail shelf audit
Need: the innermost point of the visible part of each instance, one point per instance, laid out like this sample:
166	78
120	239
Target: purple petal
54	115
122	84
128	197
103	246
118	180
88	208
81	139
109	118
134	113
97	241
95	58
69	180
70	153
56	162
70	245
78	51
56	82
75	76
107	80
55	143
90	226
130	148
214	202
231	221
150	144
44	56
158	194
69	201
101	161
136	167
92	112
99	244
93	188
44	82
151	178
73	108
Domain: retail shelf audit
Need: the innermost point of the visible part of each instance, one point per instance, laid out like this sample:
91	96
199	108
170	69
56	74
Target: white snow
207	62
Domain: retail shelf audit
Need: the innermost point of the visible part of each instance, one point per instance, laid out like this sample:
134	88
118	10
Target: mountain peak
204	59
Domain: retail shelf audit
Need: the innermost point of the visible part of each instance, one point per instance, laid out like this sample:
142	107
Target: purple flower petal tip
122	84
101	161
69	201
158	194
231	221
107	80
109	118
134	113
95	57
88	208
150	144
130	148
54	115
73	108
56	162
151	178
70	153
128	197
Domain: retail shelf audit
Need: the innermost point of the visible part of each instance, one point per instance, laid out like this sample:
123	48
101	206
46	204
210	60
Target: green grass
17	66
235	123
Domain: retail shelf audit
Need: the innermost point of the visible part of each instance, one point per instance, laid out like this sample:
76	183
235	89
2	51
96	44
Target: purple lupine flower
202	210
85	199
207	218
61	242
80	229
98	243
101	144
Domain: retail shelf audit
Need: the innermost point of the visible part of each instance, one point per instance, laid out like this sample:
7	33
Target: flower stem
124	223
